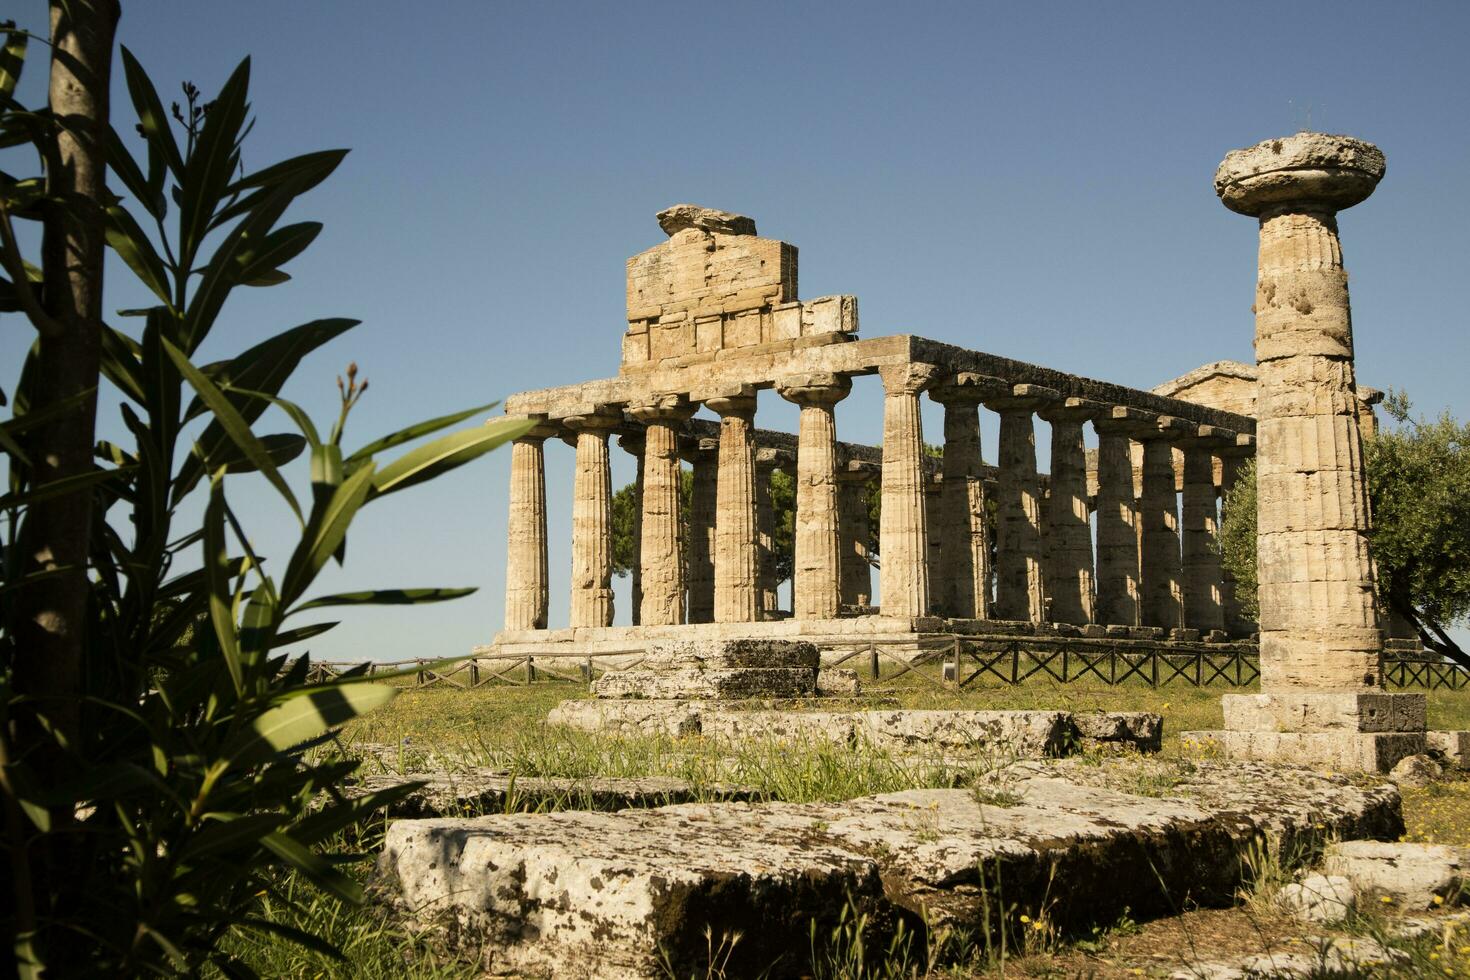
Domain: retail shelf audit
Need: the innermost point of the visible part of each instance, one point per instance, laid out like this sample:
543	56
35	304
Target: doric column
526	590
737	551
1203	576
633	444
767	461
817	568
1019	593
964	551
1232	460
660	550
853	532
1319	622
702	453
1160	594
1117	518
1069	575
903	533
592	596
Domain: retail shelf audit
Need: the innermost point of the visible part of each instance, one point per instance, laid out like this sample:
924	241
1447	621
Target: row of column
1150	568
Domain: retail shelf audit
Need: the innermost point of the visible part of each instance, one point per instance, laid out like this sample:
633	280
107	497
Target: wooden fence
946	662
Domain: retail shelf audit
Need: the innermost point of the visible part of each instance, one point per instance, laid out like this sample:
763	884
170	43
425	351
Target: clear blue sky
1027	179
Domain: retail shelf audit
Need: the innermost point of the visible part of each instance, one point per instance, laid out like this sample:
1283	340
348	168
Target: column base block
1305	710
1339	750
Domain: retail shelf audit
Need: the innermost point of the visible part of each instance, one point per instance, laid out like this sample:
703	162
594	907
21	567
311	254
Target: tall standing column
1069	574
1019	590
660	550
853	532
633	444
1161	597
1321	694
1319	623
1117	517
703	456
526	574
903	533
737	551
1232	460
964	550
592	596
1203	575
817	569
767	461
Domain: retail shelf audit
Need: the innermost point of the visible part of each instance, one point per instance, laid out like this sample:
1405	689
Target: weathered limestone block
722	654
1336	750
677	718
1135	730
1008	734
633	893
1454	747
1325	711
1318	898
797	727
817	568
1413	875
737	597
717	682
1019	589
1319	621
838	682
527	596
903	531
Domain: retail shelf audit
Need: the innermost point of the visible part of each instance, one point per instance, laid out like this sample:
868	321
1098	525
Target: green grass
504	727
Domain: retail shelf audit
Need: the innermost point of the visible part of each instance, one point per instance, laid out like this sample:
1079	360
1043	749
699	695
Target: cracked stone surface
582	894
1412	875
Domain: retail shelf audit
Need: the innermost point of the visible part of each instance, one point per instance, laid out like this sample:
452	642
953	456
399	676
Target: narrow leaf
151	116
129	242
234	426
446	453
298	719
326	530
384	597
12	60
217	578
322	874
75	483
416	431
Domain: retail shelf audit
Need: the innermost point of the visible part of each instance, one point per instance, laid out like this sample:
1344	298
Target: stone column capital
697	449
666	409
539	432
820	388
771	458
1306	172
968	388
1071	410
858	471
598	418
633	442
1123	420
909	377
1023	398
1169	428
732	406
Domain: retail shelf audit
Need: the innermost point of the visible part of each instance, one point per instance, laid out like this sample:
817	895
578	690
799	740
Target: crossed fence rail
952	663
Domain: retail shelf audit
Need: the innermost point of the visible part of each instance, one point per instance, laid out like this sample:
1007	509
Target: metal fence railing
947	662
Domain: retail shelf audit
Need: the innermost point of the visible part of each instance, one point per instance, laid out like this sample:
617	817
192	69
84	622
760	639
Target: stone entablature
716	286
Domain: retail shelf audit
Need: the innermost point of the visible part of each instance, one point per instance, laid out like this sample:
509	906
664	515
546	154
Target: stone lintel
693	449
774	457
968	388
1244	445
1213	438
1024	398
1072	410
859	470
1167	427
1324	711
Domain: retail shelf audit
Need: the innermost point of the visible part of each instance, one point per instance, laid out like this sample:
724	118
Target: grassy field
504	727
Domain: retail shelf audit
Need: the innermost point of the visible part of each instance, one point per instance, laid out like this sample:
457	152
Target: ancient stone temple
714	319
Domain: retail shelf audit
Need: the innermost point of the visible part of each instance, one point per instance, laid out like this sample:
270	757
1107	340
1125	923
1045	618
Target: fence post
873	659
530	669
586	666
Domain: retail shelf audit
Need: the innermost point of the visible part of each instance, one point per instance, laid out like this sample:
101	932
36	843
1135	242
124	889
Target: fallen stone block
638	893
679	719
775	726
1012	734
1412	875
839	682
728	683
1416	771
726	654
1454	747
475	792
1139	730
1326	899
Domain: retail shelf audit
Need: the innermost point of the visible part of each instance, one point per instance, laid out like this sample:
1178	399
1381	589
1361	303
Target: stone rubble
580	894
1324	899
1411	875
